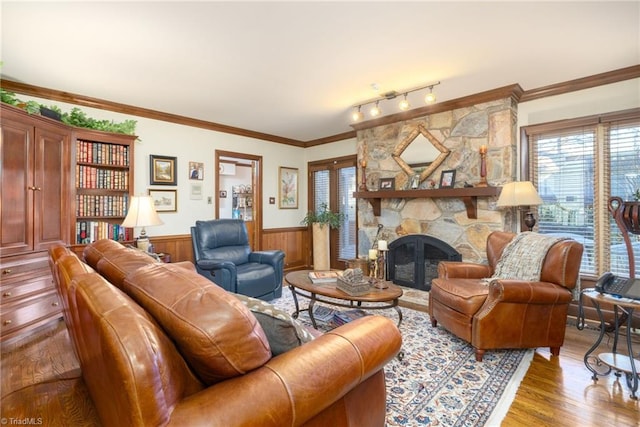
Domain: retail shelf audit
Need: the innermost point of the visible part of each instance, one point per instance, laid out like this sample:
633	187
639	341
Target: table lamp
519	194
142	213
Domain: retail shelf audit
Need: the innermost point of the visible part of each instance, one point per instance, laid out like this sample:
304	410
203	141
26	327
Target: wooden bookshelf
103	184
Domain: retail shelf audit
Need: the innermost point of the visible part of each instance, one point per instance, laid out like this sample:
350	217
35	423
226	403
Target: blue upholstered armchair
222	254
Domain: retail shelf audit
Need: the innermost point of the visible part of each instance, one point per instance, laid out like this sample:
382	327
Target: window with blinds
576	166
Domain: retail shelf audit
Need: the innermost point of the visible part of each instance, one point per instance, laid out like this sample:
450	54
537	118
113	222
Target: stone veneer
463	131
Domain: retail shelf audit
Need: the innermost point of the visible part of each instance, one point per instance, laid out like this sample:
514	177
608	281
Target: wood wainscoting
294	241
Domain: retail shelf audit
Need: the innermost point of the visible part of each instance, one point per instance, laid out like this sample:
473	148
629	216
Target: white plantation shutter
622	144
347	206
563	173
321	189
576	165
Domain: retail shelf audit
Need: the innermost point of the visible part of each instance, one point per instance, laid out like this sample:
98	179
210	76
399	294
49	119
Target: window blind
577	165
622	145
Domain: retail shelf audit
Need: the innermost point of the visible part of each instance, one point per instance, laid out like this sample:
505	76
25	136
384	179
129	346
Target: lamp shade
142	213
519	193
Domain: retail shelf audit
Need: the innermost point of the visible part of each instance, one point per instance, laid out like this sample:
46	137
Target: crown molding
513	91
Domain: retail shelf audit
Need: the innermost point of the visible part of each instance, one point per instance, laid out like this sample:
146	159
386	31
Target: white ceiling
294	69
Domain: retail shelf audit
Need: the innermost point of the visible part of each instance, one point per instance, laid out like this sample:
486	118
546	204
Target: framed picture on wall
448	179
196	170
288	188
165	200
162	170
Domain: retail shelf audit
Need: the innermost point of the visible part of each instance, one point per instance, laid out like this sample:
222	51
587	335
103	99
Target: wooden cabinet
103	185
35	182
28	297
42	192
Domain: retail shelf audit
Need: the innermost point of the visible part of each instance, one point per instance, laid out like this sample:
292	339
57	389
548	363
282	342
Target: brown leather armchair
506	313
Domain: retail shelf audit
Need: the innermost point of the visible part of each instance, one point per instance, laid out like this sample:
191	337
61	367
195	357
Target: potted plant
321	221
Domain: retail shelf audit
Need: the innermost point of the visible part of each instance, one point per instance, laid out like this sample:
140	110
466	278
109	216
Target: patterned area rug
438	382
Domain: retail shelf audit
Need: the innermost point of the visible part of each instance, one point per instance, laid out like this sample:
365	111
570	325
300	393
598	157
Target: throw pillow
283	331
217	335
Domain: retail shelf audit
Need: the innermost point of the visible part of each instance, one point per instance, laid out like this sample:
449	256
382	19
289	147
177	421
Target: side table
603	363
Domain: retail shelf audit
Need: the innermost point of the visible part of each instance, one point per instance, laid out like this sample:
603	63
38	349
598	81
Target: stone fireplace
462	131
413	260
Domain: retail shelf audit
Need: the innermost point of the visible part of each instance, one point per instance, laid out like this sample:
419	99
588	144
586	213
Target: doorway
238	189
332	183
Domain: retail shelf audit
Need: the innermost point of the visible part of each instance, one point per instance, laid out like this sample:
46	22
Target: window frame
601	123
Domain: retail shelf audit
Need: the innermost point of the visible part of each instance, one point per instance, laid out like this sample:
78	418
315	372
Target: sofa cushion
283	331
214	331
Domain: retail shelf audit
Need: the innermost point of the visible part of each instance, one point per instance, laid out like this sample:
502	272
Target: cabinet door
16	182
51	183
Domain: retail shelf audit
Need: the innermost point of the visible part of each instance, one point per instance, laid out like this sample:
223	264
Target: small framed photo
162	170
196	170
287	188
196	191
165	200
448	179
387	184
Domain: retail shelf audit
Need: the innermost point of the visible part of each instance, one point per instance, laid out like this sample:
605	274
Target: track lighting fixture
403	105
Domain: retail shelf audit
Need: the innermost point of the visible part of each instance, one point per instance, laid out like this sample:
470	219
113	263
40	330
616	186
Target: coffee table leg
399	316
312	302
295	301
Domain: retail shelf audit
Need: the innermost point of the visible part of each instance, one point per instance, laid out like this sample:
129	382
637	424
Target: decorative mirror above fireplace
420	153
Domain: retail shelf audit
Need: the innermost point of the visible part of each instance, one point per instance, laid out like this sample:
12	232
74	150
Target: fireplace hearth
413	260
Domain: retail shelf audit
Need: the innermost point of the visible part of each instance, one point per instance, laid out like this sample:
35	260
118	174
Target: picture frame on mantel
386	184
448	178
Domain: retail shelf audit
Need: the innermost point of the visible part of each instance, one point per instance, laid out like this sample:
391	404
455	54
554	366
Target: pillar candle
373	253
382	245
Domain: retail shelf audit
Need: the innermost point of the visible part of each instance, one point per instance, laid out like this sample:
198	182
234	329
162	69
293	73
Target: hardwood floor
40	379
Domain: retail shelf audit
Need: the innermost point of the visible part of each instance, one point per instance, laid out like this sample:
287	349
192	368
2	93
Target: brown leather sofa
506	313
158	344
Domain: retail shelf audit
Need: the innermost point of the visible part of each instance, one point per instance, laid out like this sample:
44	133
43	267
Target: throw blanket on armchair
522	258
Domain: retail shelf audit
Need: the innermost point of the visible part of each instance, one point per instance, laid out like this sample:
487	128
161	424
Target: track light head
404	104
431	97
375	110
357	115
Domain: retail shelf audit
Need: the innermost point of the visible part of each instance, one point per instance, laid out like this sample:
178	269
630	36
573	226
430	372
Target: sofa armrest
297	385
526	292
222	272
463	270
273	258
213	264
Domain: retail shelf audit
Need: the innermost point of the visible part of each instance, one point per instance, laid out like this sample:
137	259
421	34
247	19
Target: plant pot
320	246
52	114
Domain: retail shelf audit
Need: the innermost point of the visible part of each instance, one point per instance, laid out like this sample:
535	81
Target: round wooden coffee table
376	299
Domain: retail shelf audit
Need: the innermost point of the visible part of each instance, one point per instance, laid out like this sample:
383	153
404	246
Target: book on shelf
325	276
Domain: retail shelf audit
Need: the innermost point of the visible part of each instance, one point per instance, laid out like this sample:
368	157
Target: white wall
199	145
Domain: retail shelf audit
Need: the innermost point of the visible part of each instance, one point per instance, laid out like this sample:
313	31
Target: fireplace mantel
469	196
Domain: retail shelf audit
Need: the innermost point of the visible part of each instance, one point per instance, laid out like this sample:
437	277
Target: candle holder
382	260
363	183
483	167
